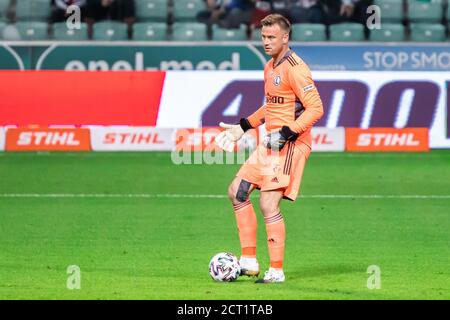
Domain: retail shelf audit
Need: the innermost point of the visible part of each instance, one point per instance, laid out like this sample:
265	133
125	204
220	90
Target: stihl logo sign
133	138
324	139
202	139
47	139
387	139
124	138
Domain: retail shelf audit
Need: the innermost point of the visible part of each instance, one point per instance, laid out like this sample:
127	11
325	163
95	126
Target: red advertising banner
47	139
387	139
80	98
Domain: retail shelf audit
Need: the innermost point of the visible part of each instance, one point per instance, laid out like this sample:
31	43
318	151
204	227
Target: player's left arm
304	88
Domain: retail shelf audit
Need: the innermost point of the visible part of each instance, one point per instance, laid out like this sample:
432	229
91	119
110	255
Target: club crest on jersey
277	81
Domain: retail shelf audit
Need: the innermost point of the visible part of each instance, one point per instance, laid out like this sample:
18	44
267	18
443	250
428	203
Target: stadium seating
391	10
420	11
448	12
425	32
150	31
189	31
308	32
62	33
151	10
36	10
389	32
9	32
110	31
186	10
32	30
162	20
3	9
255	35
448	28
345	32
222	34
2	25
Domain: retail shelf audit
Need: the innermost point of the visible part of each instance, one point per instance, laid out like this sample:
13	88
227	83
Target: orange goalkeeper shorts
271	170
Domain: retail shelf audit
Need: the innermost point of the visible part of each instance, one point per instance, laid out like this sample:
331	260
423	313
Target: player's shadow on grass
319	271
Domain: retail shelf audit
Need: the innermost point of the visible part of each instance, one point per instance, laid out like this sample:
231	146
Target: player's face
274	39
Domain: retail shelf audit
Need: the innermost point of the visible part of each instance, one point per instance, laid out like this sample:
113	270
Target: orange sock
276	234
247	226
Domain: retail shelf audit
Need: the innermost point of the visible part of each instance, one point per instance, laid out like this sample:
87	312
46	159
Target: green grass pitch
62	209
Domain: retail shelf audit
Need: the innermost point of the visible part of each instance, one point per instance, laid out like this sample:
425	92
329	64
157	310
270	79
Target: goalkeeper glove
226	140
276	140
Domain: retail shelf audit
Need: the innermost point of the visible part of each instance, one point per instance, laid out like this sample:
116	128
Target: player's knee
243	191
232	191
239	193
268	207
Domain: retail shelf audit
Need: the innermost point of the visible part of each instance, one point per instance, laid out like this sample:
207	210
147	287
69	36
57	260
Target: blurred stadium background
109	169
188	20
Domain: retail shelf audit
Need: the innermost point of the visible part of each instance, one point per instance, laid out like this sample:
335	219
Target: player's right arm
226	140
254	120
257	118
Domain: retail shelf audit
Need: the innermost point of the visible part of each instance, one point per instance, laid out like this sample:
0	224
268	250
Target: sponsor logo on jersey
274	99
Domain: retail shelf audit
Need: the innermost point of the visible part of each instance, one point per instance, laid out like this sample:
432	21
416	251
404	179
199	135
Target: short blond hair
278	19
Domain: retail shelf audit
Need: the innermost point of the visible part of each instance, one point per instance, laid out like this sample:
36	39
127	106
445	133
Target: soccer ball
224	266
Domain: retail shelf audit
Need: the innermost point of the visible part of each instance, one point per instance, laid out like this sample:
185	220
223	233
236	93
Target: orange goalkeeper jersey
292	98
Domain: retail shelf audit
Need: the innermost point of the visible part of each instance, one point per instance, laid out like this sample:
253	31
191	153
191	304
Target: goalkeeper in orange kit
292	107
